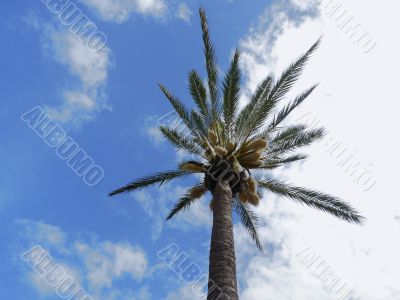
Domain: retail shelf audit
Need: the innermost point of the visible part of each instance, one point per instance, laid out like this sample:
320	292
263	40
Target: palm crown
229	143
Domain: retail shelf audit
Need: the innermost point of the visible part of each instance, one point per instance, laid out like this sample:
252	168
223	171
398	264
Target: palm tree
233	149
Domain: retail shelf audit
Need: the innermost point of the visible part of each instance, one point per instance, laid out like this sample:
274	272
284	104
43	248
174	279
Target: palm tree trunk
222	283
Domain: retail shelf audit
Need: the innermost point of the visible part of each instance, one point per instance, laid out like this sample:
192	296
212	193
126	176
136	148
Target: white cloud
305	5
259	59
158	203
120	10
97	265
45	233
184	12
81	102
346	103
152	132
199	214
83	95
150	205
88	65
143	294
108	261
43	287
185	292
155	135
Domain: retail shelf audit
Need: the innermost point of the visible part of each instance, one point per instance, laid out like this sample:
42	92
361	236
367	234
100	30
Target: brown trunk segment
222	283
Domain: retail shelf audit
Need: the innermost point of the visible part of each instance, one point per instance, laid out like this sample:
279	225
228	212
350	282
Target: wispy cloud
97	265
86	98
83	95
107	261
157	204
184	12
121	10
45	233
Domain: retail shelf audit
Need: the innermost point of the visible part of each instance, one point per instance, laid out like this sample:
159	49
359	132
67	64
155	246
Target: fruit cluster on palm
231	147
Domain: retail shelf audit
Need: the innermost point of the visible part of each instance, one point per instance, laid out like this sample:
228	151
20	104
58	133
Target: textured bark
222	283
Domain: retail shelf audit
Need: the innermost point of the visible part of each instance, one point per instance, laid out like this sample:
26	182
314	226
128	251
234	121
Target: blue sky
40	189
109	103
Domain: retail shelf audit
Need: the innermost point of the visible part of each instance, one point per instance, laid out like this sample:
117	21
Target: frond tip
211	66
180	141
231	92
186	201
318	200
283	113
199	94
249	221
161	178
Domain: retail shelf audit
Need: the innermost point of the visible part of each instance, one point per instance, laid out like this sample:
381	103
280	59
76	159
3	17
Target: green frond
282	114
199	123
282	86
182	204
296	140
180	109
211	66
244	122
180	141
249	221
318	200
287	133
272	163
231	90
291	74
185	202
199	94
160	178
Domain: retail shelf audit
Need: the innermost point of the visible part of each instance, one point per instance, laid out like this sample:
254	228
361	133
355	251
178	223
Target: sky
102	96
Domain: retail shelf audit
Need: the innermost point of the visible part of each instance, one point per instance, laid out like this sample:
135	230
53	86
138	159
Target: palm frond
244	123
318	200
296	140
160	178
282	114
281	133
182	204
249	221
180	141
291	74
272	163
281	87
199	94
199	124
231	90
287	133
268	102
180	109
185	202
211	66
